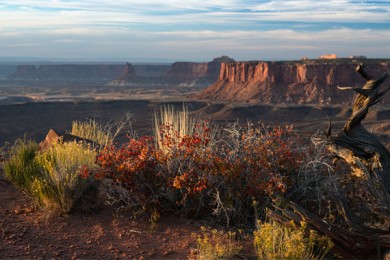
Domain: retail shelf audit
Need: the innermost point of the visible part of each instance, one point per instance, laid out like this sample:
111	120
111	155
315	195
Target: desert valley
37	97
304	95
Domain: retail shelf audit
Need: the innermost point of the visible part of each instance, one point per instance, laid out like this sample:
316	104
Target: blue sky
193	30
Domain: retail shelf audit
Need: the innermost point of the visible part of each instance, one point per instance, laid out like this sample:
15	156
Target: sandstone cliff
301	82
179	74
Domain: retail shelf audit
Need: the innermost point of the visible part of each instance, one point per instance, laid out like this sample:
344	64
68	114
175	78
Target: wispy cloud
194	29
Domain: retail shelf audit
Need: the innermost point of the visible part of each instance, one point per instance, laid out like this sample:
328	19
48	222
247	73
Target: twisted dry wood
369	159
362	150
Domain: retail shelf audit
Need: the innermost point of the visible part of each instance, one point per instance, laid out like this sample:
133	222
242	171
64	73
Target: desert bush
256	163
103	134
51	177
91	130
202	173
21	168
134	166
323	187
317	185
273	240
214	244
61	183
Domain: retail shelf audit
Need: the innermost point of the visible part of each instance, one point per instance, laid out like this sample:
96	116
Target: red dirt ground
27	234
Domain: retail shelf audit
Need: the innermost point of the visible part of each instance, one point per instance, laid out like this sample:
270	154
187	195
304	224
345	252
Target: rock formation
298	82
69	73
53	137
328	56
179	74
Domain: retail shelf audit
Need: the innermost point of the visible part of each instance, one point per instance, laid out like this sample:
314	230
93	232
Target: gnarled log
362	150
369	160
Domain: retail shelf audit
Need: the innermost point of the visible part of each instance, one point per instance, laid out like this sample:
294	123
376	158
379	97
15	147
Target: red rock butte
289	82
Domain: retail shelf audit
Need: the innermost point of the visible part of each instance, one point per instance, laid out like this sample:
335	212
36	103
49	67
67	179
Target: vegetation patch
52	177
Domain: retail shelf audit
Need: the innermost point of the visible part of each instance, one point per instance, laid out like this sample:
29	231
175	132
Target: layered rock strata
288	82
179	74
66	73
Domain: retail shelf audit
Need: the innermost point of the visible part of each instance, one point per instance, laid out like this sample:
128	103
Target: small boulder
52	137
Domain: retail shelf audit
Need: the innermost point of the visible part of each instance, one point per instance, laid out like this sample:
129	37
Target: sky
193	30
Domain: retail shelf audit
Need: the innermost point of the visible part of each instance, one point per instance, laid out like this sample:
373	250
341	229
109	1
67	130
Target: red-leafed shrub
134	167
205	171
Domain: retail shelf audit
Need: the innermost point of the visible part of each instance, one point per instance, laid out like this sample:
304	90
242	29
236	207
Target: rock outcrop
303	82
53	137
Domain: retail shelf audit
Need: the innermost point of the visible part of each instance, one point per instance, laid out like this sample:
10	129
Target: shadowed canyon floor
34	119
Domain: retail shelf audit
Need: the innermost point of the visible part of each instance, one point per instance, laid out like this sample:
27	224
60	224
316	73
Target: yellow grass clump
273	240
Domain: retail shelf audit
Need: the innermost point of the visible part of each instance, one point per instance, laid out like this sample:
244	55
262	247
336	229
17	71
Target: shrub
133	165
273	240
199	174
51	177
213	244
21	168
91	130
196	170
61	183
103	134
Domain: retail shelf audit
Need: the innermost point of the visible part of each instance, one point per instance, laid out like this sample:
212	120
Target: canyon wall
179	74
71	73
6	70
300	82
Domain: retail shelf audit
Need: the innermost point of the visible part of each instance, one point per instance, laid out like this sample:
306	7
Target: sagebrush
52	177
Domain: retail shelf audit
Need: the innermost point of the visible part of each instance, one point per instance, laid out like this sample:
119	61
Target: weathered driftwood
368	159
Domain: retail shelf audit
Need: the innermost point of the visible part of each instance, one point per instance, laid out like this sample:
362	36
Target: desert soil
27	233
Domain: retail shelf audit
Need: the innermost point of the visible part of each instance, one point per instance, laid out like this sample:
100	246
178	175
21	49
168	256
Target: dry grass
169	121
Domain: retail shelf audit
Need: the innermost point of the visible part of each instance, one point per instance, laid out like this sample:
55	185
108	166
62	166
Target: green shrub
21	168
51	177
273	240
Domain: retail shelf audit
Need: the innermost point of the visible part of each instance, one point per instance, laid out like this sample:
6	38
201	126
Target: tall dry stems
173	123
103	134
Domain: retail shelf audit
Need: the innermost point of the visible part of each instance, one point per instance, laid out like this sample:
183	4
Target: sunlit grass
92	130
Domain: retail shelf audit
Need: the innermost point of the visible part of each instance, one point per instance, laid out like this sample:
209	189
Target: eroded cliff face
188	70
179	74
70	73
288	82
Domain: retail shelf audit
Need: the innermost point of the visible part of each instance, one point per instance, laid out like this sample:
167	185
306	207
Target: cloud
126	44
194	28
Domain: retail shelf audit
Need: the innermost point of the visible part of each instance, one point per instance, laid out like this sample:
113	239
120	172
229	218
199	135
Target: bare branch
360	68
